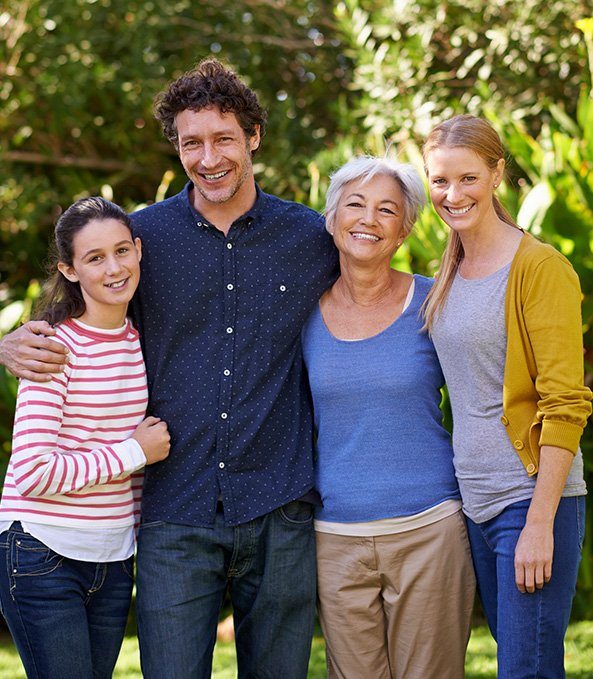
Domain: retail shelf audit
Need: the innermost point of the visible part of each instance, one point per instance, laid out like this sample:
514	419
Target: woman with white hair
395	577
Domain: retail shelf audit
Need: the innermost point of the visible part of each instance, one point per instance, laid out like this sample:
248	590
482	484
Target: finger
547	571
40	328
530	579
41	366
151	421
520	578
47	345
539	576
34	377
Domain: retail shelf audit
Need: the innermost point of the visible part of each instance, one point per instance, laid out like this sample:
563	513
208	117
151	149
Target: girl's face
106	264
461	187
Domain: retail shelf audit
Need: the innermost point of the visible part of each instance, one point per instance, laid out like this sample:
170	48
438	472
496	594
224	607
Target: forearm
554	466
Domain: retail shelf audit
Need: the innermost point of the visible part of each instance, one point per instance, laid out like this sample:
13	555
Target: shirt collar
252	215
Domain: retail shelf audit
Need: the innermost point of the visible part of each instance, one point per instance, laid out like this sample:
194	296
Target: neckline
381	332
484	278
103	334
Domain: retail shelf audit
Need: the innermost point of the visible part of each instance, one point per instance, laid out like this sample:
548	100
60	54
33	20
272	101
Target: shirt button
518	444
229	246
221	465
199	223
229	330
226	372
504	420
530	468
230	286
224	415
283	288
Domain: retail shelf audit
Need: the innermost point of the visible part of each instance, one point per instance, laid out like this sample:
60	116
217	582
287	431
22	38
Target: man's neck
223	215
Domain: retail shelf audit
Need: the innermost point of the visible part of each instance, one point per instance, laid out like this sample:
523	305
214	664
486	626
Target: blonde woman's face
462	187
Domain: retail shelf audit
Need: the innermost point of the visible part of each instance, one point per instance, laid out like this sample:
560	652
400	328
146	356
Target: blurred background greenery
77	80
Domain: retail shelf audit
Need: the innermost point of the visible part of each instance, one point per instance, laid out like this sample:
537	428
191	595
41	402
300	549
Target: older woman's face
368	222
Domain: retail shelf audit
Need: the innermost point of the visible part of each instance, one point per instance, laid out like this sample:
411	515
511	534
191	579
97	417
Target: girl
505	319
72	490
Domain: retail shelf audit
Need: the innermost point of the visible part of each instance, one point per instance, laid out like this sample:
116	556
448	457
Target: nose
112	265
453	193
210	156
368	215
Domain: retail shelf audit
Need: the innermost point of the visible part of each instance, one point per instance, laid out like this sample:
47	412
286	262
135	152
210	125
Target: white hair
364	168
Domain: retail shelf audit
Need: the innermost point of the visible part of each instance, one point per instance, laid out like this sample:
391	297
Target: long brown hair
60	298
478	135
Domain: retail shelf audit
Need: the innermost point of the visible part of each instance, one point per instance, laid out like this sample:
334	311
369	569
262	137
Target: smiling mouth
117	284
456	212
214	177
358	235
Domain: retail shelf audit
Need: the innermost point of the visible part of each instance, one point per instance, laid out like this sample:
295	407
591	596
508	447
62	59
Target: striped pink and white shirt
73	463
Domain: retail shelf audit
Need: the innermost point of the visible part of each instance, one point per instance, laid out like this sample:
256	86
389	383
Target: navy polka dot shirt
220	320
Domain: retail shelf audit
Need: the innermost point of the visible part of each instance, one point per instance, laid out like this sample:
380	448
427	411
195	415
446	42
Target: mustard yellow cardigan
544	399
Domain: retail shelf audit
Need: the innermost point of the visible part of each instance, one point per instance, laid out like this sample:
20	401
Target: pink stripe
45	404
120	404
98	430
87	471
74	516
116	458
132	377
81	505
139	413
63	479
108	366
25	418
108	392
37	390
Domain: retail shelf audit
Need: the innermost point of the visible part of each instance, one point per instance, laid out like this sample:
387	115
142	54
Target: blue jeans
529	628
183	572
67	617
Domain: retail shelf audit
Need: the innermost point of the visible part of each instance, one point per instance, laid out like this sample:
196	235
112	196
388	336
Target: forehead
454	160
380	186
100	234
206	121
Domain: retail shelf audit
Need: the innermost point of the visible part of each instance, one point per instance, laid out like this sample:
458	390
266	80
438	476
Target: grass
480	663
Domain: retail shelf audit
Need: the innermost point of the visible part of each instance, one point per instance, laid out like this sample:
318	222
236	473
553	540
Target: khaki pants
397	606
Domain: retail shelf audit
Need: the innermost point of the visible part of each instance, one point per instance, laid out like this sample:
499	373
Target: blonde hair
478	135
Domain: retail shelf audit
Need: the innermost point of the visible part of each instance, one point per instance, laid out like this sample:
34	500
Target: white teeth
365	236
218	175
119	284
460	211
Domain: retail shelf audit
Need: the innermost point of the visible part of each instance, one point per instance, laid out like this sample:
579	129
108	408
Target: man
229	275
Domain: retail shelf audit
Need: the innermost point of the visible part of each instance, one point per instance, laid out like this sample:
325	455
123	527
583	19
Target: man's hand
533	557
28	352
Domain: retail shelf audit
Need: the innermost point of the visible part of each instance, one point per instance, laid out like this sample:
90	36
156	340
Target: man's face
216	154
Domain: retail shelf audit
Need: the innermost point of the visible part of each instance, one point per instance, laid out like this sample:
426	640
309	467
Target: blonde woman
505	319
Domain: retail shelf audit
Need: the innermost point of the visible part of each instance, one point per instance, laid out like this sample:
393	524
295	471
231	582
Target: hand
533	557
27	352
153	436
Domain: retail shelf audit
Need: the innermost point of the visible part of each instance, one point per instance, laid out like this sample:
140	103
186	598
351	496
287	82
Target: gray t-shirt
470	339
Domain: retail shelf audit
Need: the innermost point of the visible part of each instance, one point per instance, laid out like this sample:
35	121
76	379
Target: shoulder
423	284
535	258
294	214
159	214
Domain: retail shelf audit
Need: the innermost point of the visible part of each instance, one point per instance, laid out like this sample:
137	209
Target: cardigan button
505	421
518	445
530	468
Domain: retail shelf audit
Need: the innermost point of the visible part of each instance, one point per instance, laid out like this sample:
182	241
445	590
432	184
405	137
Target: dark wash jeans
183	572
67	617
529	628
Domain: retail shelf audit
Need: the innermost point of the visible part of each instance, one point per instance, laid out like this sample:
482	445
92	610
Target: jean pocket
150	524
297	512
29	556
128	567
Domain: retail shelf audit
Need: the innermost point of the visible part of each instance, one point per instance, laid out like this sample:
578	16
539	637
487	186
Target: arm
535	547
29	353
552	314
39	468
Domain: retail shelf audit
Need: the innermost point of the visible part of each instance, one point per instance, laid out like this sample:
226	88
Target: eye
388	211
190	143
95	258
354	203
437	181
225	140
123	250
470	178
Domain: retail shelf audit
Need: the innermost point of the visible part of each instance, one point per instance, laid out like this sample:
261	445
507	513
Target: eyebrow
91	252
218	133
360	195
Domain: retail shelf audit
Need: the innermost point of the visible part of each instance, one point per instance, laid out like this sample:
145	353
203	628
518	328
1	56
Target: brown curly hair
209	84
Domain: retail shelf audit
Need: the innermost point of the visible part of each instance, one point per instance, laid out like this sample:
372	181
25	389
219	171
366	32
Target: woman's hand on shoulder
153	436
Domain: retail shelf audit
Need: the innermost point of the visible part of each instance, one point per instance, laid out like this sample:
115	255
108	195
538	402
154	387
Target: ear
67	270
499	171
138	246
255	140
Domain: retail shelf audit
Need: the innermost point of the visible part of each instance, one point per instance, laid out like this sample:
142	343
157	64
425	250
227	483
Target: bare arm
535	547
28	352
